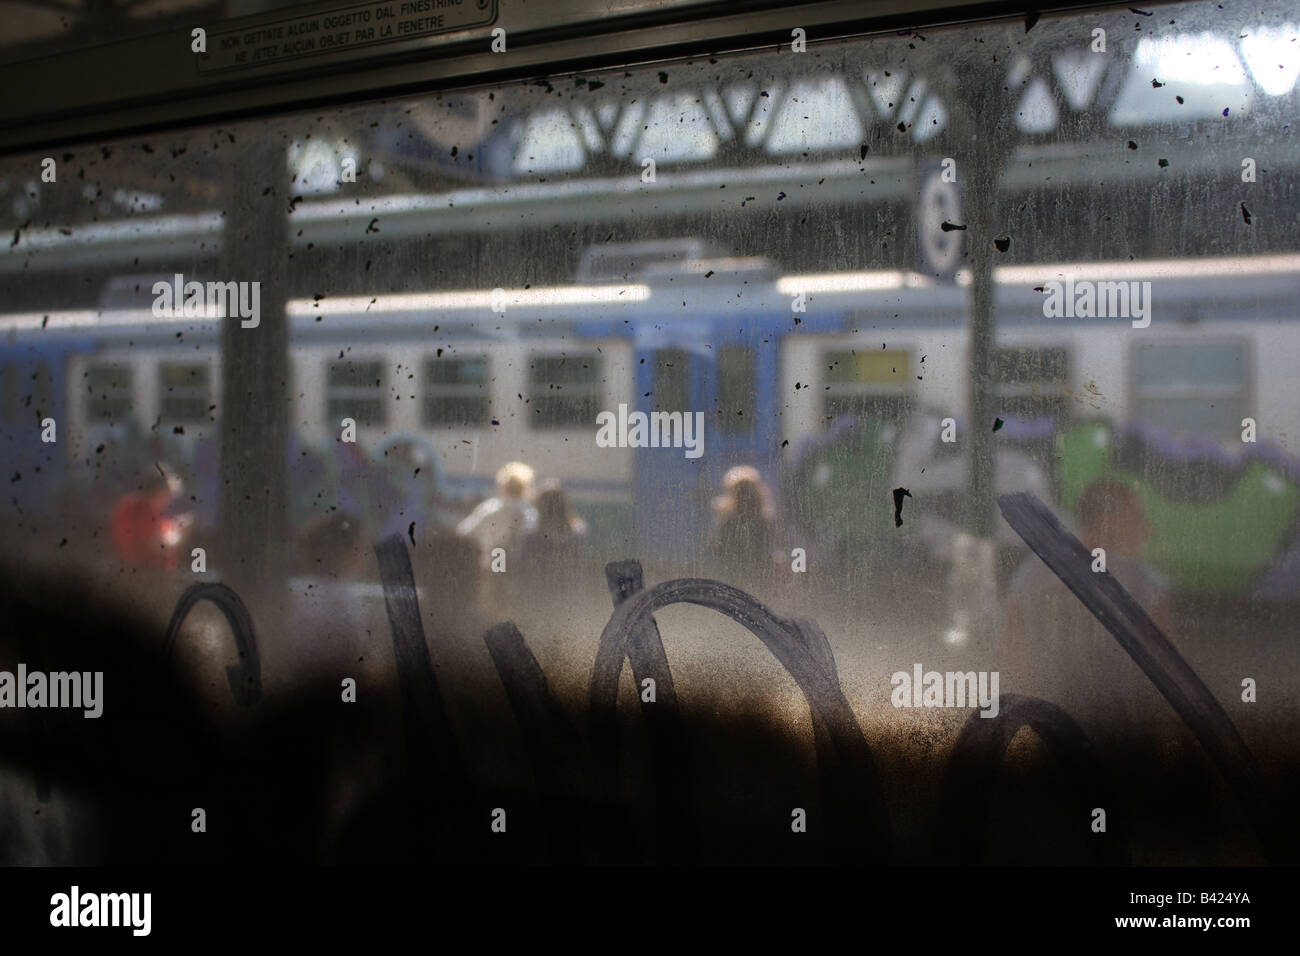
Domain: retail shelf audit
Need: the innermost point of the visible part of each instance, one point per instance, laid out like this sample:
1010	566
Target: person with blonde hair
553	550
744	535
502	520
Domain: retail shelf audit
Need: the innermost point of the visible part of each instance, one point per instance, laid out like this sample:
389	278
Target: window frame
158	86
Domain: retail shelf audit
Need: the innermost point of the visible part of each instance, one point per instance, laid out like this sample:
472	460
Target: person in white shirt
502	520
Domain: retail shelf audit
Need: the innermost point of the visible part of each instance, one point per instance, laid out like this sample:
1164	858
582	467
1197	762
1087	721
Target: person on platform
503	520
744	537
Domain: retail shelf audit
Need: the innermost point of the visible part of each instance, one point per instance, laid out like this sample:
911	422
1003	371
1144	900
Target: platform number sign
938	201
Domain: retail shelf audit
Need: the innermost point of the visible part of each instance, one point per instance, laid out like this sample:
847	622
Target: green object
845	493
1215	547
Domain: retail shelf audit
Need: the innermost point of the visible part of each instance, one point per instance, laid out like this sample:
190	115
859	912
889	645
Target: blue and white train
480	377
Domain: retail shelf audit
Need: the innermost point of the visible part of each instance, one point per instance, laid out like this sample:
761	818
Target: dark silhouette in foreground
292	778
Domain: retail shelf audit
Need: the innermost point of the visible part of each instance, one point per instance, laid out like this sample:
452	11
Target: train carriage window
26	393
565	390
736	390
8	394
671	391
356	391
1030	382
184	392
37	398
1191	389
865	384
108	393
455	391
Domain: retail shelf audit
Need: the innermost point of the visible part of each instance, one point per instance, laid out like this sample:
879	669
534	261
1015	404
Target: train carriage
483	377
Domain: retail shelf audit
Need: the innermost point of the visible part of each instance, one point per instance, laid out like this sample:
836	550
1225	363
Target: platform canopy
1164	103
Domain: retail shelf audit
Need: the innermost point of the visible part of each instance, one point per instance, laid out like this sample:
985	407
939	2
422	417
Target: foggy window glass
809	324
455	391
564	389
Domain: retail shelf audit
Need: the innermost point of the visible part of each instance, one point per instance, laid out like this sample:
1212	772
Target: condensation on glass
527	296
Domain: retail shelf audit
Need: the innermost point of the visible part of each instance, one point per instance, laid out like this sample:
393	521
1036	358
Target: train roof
1238	288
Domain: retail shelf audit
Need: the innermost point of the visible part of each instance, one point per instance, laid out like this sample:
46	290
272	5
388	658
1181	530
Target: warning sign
360	25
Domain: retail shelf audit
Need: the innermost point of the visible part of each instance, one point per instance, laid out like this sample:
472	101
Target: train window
1191	389
564	390
864	383
455	391
184	392
38	398
671	389
9	393
1023	364
736	390
26	393
108	393
356	391
1030	383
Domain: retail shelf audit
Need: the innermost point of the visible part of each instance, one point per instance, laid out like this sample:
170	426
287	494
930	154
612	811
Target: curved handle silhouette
852	785
245	677
1167	669
977	756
